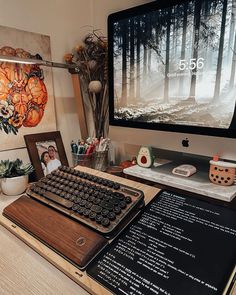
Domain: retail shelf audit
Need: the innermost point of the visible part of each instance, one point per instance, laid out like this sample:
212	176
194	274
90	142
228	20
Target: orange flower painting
27	104
23	94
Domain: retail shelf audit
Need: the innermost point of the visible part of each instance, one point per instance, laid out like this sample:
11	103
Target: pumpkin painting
23	94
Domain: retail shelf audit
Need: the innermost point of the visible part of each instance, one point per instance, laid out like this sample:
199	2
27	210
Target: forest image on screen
176	65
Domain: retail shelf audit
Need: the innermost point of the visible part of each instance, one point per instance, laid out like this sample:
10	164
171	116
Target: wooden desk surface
23	271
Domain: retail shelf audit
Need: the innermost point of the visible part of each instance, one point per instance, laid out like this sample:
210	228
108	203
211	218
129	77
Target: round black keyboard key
116	186
106	205
78	181
105	212
62	194
99	180
110	184
106	198
58	192
91	198
95	194
76	192
75	207
82	203
45	180
81	194
57	185
119	196
67	196
111	216
76	172
91	192
89	177
86	212
98	219
88	205
105	222
50	188
71	183
72	198
77	200
85	176
122	204
80	210
85	196
96	201
117	210
61	186
94	179
100	195
72	170
67	189
96	209
71	191
114	200
104	182
75	185
92	215
128	200
66	182
85	189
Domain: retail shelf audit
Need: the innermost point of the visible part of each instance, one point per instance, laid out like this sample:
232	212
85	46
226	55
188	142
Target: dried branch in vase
91	61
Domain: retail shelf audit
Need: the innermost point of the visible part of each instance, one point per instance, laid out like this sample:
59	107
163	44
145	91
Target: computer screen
172	67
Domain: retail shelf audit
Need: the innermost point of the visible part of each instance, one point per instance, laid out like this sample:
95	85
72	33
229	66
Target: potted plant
14	176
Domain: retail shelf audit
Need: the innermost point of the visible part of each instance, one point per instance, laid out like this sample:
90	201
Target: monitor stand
198	183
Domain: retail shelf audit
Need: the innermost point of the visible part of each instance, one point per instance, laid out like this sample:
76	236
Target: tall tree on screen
220	51
233	66
124	61
167	62
131	59
232	29
196	34
184	39
138	50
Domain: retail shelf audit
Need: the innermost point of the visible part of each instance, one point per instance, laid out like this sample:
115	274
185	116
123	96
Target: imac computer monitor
172	81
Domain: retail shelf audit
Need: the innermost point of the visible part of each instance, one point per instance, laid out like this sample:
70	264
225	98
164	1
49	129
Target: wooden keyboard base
80	277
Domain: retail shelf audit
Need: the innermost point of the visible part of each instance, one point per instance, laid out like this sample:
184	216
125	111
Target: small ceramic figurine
145	157
222	173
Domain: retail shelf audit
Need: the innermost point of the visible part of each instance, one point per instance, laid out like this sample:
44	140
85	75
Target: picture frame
39	146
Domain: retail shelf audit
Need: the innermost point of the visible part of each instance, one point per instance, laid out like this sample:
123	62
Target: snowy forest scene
177	65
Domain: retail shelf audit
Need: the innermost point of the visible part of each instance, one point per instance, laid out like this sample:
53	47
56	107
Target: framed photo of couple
46	152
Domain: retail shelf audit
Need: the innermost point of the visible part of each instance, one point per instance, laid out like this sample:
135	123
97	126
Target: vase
15	185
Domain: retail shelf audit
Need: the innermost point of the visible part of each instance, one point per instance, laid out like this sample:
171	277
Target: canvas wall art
26	90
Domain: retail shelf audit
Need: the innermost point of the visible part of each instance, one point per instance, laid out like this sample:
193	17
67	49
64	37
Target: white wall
102	8
66	22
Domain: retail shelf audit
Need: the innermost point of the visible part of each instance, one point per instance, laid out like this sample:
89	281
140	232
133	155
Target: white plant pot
15	185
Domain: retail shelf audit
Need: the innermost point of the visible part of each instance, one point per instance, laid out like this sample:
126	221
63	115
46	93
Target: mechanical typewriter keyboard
97	202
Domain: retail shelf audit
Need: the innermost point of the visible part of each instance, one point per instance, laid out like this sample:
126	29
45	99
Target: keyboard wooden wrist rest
69	238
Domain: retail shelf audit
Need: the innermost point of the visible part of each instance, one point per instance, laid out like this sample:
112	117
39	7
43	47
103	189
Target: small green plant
15	168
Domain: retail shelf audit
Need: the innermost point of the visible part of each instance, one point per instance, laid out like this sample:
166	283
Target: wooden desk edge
80	277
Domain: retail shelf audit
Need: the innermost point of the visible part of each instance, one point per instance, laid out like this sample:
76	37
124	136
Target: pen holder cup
101	161
83	160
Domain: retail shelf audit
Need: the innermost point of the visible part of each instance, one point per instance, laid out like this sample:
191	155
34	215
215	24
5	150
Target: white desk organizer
198	183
